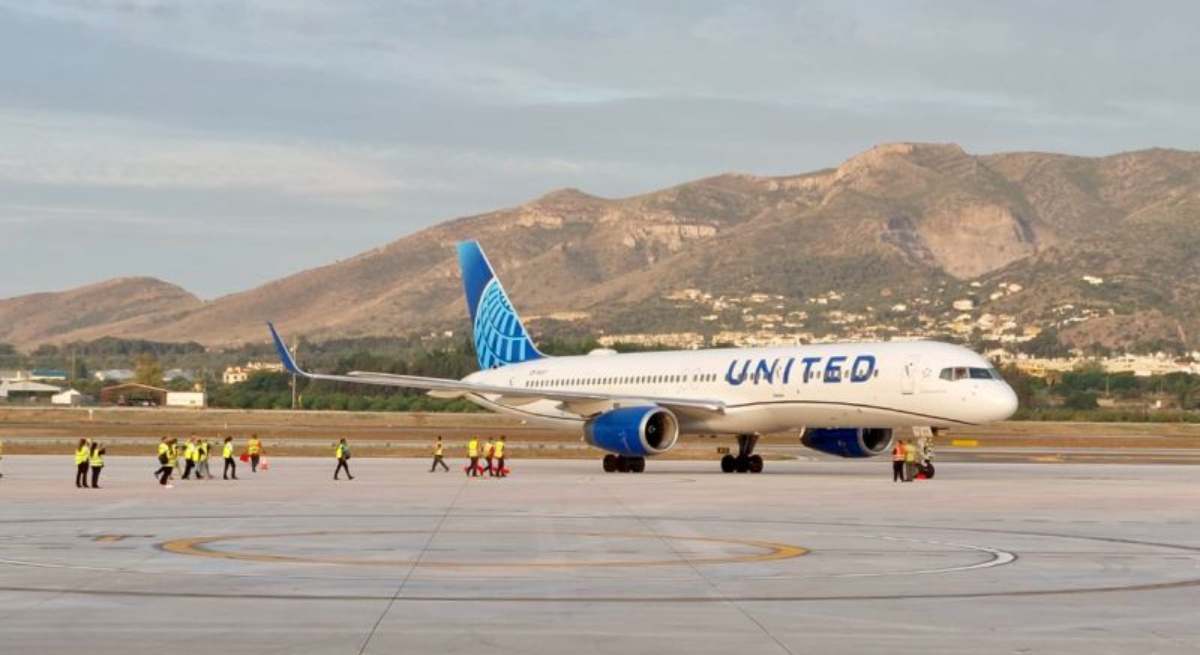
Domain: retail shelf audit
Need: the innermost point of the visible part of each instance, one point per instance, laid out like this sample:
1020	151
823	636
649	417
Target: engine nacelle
633	431
849	442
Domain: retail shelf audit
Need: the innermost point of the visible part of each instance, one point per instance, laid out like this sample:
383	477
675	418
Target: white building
69	397
191	399
239	374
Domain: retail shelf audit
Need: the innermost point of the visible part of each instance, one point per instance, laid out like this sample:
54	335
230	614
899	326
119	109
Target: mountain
119	306
901	239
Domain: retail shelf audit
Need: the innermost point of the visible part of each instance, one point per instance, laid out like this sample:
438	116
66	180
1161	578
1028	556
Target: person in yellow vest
489	455
82	452
189	458
175	453
898	461
96	463
202	470
473	455
254	449
230	464
910	461
165	461
342	453
500	470
439	456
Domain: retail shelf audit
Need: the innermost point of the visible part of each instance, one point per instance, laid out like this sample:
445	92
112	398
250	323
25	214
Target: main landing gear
623	464
745	461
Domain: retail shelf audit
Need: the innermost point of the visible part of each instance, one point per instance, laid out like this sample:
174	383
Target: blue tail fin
500	338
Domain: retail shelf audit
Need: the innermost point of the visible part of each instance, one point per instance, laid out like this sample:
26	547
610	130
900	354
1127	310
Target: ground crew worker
189	458
202	467
82	452
254	449
164	463
174	443
500	470
230	465
489	452
898	461
96	462
473	455
342	453
910	461
439	453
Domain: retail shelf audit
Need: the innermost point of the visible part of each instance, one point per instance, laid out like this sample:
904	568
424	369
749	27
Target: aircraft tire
637	464
743	464
728	464
622	464
610	463
756	464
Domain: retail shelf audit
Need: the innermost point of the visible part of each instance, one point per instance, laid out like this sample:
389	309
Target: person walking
439	459
82	452
96	463
202	470
473	455
898	461
254	449
489	455
175	456
230	464
342	453
189	458
910	461
164	463
500	470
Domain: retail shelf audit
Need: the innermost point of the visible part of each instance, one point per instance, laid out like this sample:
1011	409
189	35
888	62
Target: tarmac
810	556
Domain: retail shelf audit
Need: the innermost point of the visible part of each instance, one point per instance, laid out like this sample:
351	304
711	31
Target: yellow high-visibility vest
227	452
438	450
81	455
473	448
254	446
338	452
97	460
499	449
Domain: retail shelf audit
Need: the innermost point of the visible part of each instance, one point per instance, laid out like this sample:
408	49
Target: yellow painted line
201	547
964	443
109	538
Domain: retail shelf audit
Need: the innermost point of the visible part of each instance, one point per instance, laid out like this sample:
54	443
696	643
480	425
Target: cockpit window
964	373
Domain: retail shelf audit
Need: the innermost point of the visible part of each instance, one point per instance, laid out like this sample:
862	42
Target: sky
219	144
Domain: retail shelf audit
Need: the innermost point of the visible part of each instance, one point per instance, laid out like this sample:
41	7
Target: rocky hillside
119	307
891	241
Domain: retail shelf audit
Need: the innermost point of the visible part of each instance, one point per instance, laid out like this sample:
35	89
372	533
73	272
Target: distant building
70	397
114	375
13	375
48	374
191	399
239	374
179	374
133	395
27	391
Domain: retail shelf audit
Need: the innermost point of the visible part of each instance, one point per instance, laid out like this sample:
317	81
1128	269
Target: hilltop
901	239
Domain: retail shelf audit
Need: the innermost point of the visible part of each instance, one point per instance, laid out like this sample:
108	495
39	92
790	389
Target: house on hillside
114	375
239	374
69	398
27	391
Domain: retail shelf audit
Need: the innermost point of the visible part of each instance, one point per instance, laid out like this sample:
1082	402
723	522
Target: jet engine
633	431
849	442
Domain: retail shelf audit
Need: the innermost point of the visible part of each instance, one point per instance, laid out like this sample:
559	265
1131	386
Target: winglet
285	355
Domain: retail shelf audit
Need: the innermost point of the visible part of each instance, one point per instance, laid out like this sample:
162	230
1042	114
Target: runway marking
200	547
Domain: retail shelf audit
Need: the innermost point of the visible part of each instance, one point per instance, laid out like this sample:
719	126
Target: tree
148	371
1081	400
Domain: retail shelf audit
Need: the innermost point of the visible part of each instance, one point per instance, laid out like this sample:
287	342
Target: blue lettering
833	368
863	369
808	364
741	378
787	370
763	372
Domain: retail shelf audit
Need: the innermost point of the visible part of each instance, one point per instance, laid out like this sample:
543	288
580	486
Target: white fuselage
871	385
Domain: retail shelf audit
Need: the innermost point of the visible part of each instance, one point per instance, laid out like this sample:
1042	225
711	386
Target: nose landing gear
745	461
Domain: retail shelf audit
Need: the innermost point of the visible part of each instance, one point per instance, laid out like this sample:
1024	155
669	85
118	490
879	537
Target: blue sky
222	144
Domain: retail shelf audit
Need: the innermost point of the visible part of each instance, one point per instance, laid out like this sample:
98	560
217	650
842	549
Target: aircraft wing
580	401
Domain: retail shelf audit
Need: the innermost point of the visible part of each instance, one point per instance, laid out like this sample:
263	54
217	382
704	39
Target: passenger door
912	369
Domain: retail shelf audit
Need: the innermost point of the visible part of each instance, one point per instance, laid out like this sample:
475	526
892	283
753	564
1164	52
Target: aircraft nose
1003	403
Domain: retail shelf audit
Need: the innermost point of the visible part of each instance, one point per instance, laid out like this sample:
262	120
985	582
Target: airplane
845	399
